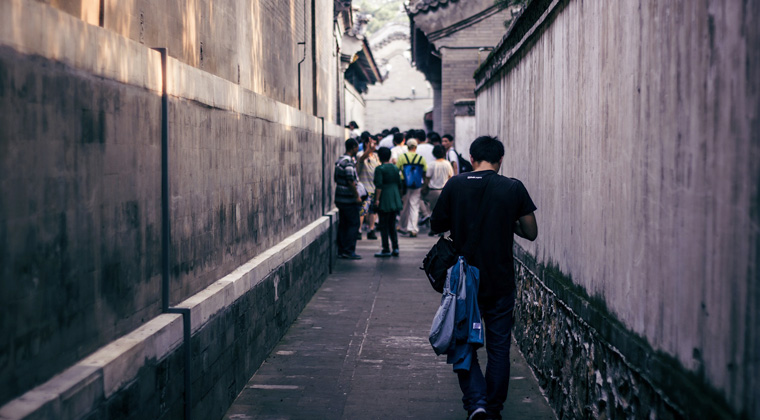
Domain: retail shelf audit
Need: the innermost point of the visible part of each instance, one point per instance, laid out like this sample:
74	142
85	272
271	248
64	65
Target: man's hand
527	227
356	191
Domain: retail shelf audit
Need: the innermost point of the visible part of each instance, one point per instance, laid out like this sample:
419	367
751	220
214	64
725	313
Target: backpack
464	165
413	172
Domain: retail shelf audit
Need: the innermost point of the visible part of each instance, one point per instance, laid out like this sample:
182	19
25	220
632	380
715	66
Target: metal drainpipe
304	54
324	196
299	71
166	234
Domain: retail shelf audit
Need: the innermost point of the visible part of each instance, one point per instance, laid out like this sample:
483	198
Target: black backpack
464	165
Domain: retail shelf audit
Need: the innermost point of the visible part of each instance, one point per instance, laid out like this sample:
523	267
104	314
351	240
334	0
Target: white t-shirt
426	150
452	157
439	171
397	151
387	141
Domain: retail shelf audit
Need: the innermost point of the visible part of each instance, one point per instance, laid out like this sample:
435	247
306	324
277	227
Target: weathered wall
635	126
240	182
80	172
251	43
235	322
403	97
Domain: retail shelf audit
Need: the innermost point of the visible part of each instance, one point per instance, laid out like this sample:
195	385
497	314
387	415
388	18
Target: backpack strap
478	220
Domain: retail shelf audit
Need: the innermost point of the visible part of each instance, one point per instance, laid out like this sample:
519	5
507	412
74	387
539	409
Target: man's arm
527	227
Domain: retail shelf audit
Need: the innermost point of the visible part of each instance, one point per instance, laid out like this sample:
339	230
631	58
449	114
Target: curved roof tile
425	6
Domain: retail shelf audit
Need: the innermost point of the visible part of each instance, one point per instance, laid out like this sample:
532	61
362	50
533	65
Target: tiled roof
425	6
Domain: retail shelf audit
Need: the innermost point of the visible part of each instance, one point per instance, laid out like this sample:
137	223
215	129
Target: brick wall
458	65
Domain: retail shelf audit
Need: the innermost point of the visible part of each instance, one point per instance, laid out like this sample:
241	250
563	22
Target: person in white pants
412	199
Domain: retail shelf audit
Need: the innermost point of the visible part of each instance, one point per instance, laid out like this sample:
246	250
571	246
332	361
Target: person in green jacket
387	201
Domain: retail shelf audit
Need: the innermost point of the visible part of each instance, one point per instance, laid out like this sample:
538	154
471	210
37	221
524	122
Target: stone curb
73	393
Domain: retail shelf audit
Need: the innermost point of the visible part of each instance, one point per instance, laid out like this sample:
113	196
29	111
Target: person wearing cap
412	198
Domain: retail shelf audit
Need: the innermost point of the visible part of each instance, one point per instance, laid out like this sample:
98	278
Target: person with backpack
413	168
460	164
484	210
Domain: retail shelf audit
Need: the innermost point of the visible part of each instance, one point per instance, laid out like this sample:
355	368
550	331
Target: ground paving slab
359	350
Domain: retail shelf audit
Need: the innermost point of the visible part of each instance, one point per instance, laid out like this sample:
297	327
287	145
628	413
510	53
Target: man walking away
399	148
509	210
411	164
348	202
438	173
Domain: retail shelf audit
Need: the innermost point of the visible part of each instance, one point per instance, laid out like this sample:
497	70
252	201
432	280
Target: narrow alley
359	350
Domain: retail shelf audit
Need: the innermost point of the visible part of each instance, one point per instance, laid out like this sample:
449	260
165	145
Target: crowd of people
389	182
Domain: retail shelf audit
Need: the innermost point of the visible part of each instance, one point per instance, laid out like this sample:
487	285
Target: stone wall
635	128
80	171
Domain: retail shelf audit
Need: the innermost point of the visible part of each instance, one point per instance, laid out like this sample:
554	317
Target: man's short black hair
394	130
351	143
398	138
419	135
434	137
439	151
365	136
448	136
487	148
384	154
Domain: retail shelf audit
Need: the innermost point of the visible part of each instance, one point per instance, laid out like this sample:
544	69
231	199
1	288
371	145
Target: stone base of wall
235	323
590	365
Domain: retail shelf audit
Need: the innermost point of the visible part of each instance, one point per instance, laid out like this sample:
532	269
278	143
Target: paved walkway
359	350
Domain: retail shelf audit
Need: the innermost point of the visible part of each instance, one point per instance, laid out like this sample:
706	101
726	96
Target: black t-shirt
459	204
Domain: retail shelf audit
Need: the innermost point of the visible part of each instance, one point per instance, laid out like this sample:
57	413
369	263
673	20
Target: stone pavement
359	350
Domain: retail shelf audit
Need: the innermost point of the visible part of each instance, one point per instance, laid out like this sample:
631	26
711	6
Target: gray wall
635	126
250	43
80	132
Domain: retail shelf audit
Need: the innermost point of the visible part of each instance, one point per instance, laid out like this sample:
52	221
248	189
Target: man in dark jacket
348	202
508	210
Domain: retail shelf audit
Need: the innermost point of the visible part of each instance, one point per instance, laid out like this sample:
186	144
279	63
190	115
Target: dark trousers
387	223
348	227
490	391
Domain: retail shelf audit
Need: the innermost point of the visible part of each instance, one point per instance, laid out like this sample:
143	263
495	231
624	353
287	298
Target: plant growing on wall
516	5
